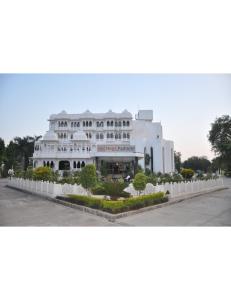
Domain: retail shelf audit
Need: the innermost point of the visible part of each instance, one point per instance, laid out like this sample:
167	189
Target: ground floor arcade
122	165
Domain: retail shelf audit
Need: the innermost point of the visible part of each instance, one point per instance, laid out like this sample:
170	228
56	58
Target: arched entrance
64	165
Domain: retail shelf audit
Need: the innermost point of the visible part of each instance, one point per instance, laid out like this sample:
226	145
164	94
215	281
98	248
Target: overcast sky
186	105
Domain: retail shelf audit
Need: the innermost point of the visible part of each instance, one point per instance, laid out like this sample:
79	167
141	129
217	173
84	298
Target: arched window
71	136
48	164
78	165
66	124
90	123
82	164
128	123
87	134
44	163
112	135
112	123
83	123
90	136
52	164
97	136
101	124
119	136
108	123
108	135
87	124
128	136
78	124
116	136
101	136
116	123
74	165
124	135
124	124
119	123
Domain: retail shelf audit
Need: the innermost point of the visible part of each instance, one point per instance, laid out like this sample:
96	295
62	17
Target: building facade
111	140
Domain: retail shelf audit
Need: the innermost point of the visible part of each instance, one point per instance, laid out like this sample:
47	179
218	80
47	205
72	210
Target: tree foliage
177	158
140	182
197	163
88	177
187	173
220	139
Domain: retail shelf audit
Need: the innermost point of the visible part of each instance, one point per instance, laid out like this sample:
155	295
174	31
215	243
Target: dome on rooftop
50	136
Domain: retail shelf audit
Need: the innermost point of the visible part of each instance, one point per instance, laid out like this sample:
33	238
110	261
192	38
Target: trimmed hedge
118	206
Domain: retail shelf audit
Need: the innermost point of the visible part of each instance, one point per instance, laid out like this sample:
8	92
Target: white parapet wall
47	189
178	189
50	189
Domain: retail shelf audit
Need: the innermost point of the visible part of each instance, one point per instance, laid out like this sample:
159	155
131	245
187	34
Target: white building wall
143	134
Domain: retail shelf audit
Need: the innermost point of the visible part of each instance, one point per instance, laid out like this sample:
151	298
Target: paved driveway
21	209
212	209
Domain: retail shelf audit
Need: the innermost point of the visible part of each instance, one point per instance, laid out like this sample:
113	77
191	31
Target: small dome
79	136
50	136
63	112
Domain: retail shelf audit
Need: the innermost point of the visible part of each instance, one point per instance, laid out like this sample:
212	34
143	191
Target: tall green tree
2	149
197	163
220	139
177	158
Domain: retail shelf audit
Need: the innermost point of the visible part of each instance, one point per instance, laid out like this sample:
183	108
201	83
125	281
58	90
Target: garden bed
118	206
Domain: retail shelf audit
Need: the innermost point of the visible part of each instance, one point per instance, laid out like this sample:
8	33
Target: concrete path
21	209
212	209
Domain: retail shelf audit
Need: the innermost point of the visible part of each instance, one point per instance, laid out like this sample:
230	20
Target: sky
185	104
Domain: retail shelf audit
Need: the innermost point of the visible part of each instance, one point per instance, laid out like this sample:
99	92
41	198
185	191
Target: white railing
48	189
180	189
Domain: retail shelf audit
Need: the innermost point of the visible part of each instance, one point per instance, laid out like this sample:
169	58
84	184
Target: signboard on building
115	148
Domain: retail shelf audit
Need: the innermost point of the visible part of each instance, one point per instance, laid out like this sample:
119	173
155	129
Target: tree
140	182
25	149
2	155
177	158
88	177
220	139
197	163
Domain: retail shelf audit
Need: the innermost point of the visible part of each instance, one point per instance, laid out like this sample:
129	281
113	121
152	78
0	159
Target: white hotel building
111	139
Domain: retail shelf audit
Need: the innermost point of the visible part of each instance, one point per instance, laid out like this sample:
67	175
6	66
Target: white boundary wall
180	189
48	189
52	190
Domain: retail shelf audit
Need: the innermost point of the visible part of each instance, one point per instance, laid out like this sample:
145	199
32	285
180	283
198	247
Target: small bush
114	188
42	173
187	173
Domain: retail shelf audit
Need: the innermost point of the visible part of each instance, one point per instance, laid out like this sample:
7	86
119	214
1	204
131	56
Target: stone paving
21	209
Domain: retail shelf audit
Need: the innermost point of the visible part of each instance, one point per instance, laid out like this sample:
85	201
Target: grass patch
119	206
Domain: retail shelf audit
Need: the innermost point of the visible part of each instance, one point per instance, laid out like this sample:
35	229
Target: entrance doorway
64	165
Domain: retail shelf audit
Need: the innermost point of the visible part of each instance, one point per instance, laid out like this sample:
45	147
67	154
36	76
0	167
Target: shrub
148	172
114	188
187	173
120	205
99	189
88	177
42	173
152	179
139	182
